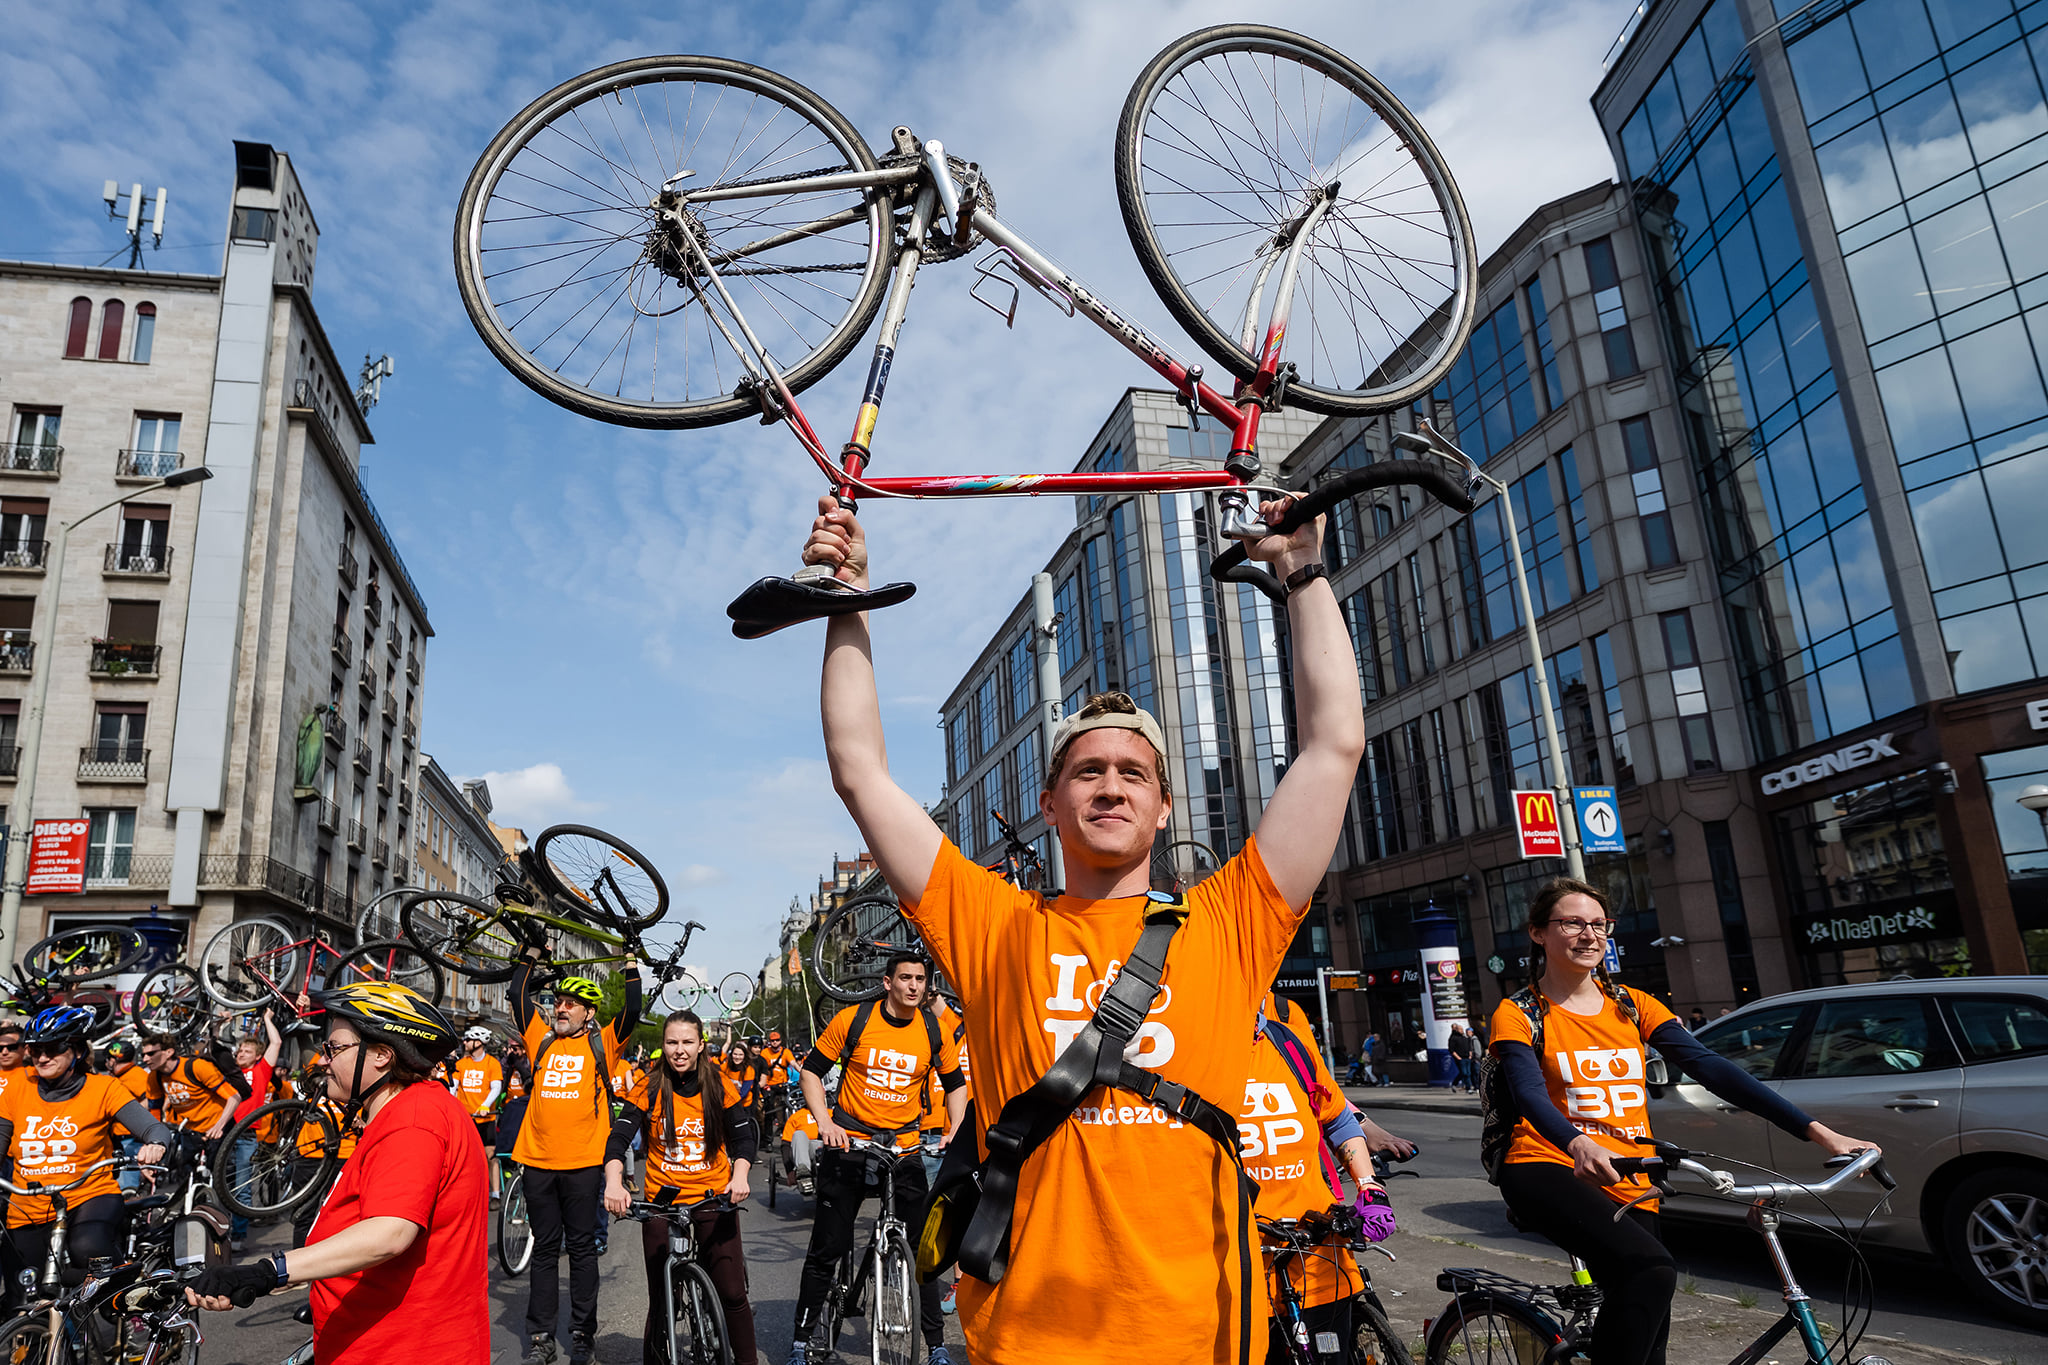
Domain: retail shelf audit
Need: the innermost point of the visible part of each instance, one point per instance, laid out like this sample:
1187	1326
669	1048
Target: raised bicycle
1494	1319
679	241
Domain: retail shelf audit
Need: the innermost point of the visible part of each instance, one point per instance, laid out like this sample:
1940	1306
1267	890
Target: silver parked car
1949	1076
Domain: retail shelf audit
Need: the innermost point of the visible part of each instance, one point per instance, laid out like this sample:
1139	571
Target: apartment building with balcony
456	848
203	630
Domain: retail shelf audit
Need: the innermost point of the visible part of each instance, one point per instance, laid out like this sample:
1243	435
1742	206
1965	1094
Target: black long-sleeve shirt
742	1140
1719	1075
622	1027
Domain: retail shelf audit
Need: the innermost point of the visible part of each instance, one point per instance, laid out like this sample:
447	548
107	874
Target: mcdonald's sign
1536	821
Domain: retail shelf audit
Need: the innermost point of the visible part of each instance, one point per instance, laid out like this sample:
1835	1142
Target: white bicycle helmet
476	1033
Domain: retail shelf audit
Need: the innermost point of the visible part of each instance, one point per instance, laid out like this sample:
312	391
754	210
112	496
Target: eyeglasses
330	1049
1576	928
14	1046
49	1049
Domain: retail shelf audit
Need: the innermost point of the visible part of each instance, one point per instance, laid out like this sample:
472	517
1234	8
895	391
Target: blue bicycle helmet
66	1024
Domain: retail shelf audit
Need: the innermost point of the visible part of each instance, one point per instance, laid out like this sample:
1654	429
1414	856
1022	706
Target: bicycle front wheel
86	953
601	878
855	942
515	1231
170	1001
736	991
892	1307
390	960
251	963
26	1340
463	935
1228	139
1374	1340
580	245
1182	865
276	1181
1488	1329
700	1319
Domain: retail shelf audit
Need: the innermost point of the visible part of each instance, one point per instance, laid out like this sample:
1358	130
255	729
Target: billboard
1537	824
56	858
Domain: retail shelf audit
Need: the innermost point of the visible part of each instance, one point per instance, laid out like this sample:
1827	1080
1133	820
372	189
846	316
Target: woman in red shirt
699	1144
396	1259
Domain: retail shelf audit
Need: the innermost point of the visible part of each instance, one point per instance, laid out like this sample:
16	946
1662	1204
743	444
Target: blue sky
577	573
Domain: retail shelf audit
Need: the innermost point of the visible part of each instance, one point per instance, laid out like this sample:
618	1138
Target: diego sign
56	858
1849	756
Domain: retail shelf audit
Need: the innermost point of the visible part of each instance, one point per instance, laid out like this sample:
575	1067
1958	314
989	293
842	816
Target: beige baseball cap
1134	719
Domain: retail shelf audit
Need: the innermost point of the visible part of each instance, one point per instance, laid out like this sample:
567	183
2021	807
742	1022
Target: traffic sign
1536	822
1599	820
1613	955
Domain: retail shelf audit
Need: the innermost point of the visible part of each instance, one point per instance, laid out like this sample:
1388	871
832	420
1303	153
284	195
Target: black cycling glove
241	1285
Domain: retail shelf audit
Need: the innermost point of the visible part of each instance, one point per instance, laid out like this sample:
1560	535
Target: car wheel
1995	1227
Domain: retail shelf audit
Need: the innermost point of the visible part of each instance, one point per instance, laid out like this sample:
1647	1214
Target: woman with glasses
1557	1173
57	1121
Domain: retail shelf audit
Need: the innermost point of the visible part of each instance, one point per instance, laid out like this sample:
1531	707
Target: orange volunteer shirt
54	1142
143	1084
569	1115
801	1121
1120	1193
1593	1065
196	1106
950	1026
515	1087
882	1089
679	1164
1280	1137
474	1077
310	1136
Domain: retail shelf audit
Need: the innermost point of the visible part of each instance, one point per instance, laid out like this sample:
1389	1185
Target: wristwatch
277	1264
1305	575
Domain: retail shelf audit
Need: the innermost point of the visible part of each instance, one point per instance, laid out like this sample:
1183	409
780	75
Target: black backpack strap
861	1015
604	1079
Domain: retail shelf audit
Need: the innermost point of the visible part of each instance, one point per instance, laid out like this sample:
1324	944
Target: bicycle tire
892	1307
561	859
735	991
630	222
26	1340
848	966
374	923
700	1318
249	962
86	953
771	1161
1373	1339
1183	865
171	1000
263	1199
390	960
1481	1328
471	938
1225	59
514	1231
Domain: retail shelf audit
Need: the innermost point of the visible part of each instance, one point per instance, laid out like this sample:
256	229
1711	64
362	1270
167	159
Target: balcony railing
373	609
404	800
347	568
367	682
330	816
25	457
363	754
249	871
337	730
391	707
119	658
412	669
400	870
356	835
153	562
412	734
10	762
342	650
30	556
17	655
113	762
146	464
384	779
392	647
380	853
122	867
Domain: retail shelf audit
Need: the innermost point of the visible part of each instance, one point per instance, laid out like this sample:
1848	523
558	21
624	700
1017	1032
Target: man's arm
902	837
522	986
628	1017
1299	830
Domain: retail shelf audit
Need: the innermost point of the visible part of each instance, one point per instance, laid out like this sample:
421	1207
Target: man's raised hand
838	543
1286	553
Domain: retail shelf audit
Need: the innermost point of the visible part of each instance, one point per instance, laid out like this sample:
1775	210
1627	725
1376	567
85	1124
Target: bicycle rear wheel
576	261
86	953
26	1340
736	991
1226	140
601	878
275	1184
463	935
1488	1329
390	960
514	1238
170	1001
1182	865
700	1318
892	1307
251	963
855	942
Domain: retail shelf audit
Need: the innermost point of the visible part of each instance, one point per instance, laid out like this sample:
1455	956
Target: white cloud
700	874
535	797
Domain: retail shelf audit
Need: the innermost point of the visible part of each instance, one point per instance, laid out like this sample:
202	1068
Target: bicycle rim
170	1000
1182	865
1374	1340
597	301
1226	140
854	943
515	1234
87	952
736	991
391	960
26	1340
892	1311
600	877
700	1321
464	936
247	964
1485	1330
269	1193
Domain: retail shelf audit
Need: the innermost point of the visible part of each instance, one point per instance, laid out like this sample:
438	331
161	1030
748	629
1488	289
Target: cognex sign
1849	756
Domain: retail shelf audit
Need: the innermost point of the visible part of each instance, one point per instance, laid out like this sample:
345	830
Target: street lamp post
23	815
2035	799
1433	442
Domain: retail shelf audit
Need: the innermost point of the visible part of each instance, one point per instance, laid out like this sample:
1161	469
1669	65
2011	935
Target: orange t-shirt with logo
801	1120
570	1114
310	1136
474	1077
515	1087
882	1089
1280	1138
680	1163
143	1084
1120	1192
935	1096
55	1141
196	1106
1593	1066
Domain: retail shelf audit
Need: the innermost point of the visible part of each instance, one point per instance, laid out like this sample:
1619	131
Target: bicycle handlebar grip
1883	1176
1440	483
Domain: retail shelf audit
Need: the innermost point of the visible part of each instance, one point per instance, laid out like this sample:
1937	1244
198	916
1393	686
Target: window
76	328
118	731
1030	781
1609	684
109	844
1023	678
155	452
145	334
132	622
1660	547
112	315
1543	547
1109	460
22	523
1066	605
253	225
992	804
1754	1043
1989	1027
988	713
1688	683
145	532
957	755
10	722
1615	338
1488	387
1575	510
37	427
1872	1036
1546	354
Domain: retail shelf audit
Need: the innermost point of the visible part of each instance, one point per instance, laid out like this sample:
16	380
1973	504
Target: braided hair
1540	910
662	1080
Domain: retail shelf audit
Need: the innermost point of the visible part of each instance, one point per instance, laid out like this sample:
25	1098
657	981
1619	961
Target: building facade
458	850
235	701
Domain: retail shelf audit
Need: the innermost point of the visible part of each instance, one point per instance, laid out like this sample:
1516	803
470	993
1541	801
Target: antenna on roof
139	205
370	384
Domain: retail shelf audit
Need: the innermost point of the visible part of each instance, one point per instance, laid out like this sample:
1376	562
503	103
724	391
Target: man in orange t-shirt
1122	1192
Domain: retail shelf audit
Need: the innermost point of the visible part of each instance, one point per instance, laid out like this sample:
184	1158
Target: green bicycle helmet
581	988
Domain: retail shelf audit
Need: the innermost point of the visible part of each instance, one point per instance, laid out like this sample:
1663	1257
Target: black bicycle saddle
772	603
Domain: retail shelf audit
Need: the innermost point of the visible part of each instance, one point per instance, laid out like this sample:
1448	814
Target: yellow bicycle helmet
581	988
385	1007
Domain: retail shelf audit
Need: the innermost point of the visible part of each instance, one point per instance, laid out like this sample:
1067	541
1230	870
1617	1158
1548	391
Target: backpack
1498	1112
225	1064
604	1077
861	1014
